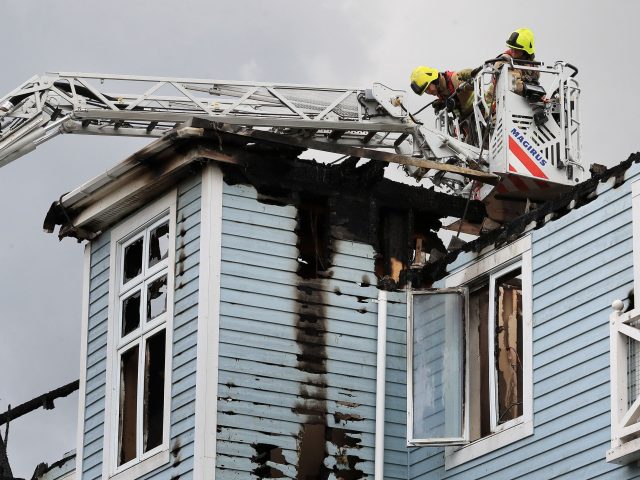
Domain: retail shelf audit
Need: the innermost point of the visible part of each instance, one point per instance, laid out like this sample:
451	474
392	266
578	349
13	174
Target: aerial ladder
520	149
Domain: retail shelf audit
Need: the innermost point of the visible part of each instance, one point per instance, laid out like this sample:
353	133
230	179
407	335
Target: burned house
247	314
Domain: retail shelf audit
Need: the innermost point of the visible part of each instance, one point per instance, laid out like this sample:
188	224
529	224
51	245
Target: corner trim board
84	340
208	325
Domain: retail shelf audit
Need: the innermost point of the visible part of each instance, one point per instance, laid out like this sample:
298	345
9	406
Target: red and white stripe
527	165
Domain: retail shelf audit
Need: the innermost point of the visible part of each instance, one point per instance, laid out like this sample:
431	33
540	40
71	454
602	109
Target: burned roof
276	171
578	196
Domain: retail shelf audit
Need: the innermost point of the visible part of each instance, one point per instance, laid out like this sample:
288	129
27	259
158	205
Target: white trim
455	456
137	470
84	343
493	373
635	225
120	232
435	441
381	366
206	414
523	426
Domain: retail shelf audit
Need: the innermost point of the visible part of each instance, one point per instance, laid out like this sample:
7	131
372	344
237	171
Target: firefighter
453	89
521	48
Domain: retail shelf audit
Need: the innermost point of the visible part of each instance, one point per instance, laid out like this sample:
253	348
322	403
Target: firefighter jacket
518	77
459	86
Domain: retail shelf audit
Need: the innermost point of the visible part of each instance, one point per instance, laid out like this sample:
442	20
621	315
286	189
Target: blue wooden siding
184	343
96	358
581	262
298	357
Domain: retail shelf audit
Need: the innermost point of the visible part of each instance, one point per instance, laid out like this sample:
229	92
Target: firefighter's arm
516	79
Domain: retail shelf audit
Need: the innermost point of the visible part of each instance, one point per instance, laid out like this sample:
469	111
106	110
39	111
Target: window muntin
142	348
437	387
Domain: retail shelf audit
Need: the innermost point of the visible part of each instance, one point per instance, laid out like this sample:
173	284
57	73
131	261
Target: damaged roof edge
138	178
116	172
99	203
578	196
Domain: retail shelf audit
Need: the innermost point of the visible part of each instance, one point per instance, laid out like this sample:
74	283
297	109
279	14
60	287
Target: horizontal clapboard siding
184	343
96	363
265	396
581	262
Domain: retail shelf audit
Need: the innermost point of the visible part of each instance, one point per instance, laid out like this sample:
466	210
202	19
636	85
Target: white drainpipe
380	384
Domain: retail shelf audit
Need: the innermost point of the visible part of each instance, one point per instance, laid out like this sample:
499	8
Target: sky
343	43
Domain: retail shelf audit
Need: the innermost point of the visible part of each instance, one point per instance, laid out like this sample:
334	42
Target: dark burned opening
393	242
128	394
266	452
154	390
313	451
313	231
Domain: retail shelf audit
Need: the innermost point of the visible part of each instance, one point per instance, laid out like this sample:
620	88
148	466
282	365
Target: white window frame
122	234
624	419
495	264
493	372
411	441
492	265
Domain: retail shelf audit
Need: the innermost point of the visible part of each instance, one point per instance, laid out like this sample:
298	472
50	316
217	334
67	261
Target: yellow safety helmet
522	39
421	78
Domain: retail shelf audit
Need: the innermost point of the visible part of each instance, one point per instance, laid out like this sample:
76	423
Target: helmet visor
512	41
417	89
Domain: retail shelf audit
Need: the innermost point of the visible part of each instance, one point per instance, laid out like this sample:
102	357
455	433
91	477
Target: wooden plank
361	152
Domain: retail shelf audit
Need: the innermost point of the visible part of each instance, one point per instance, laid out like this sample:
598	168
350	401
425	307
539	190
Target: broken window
130	313
157	298
153	404
159	244
144	299
132	260
490	330
128	396
508	346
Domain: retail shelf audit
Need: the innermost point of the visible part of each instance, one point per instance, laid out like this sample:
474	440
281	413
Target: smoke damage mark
315	435
175	452
314	246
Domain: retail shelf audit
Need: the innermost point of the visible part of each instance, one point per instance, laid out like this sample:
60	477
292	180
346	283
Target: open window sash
436	367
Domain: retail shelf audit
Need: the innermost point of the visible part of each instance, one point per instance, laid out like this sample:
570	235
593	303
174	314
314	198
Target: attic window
144	309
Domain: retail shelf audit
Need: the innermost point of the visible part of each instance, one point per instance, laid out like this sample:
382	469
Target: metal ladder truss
104	104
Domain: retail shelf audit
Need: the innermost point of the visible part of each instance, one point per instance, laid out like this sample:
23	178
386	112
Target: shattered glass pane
128	395
131	313
157	298
508	345
153	403
132	260
159	244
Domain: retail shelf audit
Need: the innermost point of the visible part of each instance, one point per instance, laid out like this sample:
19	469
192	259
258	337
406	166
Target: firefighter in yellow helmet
521	49
453	89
